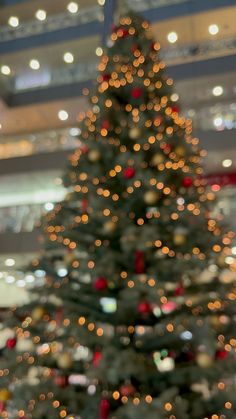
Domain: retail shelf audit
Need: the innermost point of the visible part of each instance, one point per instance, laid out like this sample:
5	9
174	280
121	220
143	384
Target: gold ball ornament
65	360
94	155
204	360
109	227
157	159
134	133
179	239
215	321
151	197
180	151
221	261
5	395
38	313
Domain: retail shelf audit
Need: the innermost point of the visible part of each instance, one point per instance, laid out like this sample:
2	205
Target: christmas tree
126	323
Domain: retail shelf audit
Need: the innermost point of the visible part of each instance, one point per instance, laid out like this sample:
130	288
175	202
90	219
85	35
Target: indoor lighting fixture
75	131
218	121
10	262
10	279
41	15
13	21
172	37
63	115
34	64
5	69
73	7
217	90
227	163
49	206
213	29
101	2
68	57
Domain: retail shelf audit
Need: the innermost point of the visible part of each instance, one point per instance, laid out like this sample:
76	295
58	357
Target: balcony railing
52	23
140	5
19	219
42	142
86	71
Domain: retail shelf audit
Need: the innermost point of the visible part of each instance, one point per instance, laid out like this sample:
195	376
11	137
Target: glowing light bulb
172	37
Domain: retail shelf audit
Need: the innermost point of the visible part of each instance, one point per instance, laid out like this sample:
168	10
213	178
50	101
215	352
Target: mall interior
49	51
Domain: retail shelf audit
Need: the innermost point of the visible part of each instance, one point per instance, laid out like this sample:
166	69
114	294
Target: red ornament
129	172
61	381
100	284
127	390
58	316
168	307
106	77
139	262
175	108
97	356
221	354
187	182
104	409
84	149
166	148
179	290
190	356
136	92
2	407
144	307
123	32
84	205
106	124
11	343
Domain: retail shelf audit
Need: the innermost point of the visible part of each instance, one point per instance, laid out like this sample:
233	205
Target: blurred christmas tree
126	324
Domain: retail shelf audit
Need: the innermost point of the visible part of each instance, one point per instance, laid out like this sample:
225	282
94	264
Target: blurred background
49	50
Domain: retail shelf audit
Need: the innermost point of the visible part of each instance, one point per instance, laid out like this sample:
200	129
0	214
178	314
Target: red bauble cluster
144	307
129	172
187	182
100	284
136	92
11	343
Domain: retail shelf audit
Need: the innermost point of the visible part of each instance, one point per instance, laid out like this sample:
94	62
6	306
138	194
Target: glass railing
87	71
42	142
52	23
140	5
219	117
199	51
22	218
